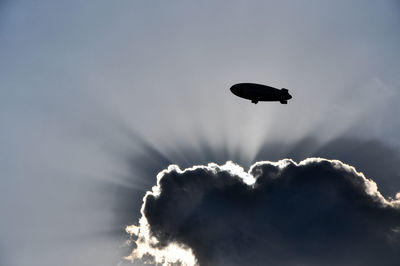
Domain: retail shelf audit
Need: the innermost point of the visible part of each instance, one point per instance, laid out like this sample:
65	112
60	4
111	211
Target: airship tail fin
283	102
284	90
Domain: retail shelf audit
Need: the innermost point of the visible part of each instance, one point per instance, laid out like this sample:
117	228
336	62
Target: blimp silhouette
261	93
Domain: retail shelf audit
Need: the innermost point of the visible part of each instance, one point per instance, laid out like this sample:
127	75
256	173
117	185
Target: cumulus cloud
314	212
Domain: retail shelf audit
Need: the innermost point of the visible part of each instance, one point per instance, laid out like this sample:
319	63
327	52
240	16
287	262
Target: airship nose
235	89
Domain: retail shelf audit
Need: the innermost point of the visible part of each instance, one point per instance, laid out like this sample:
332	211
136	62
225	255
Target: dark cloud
374	158
145	163
317	212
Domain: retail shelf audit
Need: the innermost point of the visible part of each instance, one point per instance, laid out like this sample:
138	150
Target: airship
258	93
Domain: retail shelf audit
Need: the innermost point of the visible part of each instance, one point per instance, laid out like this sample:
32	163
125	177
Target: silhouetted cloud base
279	213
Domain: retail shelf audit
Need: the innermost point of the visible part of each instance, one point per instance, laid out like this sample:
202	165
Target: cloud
375	159
314	212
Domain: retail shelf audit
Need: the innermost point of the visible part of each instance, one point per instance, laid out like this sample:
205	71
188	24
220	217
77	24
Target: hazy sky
78	79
